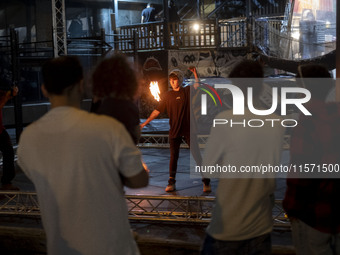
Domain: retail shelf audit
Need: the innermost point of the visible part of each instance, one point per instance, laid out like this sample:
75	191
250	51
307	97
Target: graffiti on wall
208	63
157	66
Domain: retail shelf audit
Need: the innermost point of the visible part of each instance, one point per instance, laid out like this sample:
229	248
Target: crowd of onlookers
79	161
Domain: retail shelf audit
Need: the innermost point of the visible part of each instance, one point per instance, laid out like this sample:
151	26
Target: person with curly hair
114	89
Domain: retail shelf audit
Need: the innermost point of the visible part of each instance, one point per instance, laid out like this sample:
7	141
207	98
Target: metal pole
248	8
116	12
115	30
135	51
166	36
59	28
198	9
202	4
15	80
102	40
249	24
218	37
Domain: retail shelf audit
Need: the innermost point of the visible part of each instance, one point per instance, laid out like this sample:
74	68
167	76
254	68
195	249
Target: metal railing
90	46
162	141
41	49
5	43
170	208
202	34
149	36
271	9
140	208
185	34
233	33
267	35
271	35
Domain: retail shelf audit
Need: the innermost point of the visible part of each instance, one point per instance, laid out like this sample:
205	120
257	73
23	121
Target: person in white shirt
242	216
79	162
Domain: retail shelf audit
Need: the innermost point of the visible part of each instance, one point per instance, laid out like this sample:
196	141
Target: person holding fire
177	104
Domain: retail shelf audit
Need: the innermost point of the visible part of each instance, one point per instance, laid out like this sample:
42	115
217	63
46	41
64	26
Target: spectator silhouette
307	24
115	90
173	16
79	162
115	87
6	147
312	198
242	216
173	12
148	14
76	27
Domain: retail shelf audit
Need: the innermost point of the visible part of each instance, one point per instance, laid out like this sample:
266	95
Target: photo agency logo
212	96
281	99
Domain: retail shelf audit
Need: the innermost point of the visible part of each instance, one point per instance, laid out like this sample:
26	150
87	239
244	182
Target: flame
154	89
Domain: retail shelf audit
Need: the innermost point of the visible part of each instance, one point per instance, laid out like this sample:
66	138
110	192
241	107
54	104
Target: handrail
190	209
181	35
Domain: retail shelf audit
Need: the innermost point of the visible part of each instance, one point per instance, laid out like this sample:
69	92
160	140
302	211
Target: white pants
309	241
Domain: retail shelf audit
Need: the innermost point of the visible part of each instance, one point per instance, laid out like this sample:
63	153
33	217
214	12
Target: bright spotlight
296	35
196	27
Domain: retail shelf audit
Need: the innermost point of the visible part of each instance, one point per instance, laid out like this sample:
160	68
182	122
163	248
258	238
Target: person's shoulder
106	126
119	107
100	119
122	103
31	131
29	128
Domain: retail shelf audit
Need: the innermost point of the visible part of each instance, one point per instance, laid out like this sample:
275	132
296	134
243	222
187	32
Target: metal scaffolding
162	141
170	208
141	208
59	28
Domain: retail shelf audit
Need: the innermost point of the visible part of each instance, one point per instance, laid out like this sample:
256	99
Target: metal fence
153	35
267	35
140	208
162	141
185	35
234	33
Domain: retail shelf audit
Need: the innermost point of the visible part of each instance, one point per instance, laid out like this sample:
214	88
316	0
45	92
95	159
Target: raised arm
197	80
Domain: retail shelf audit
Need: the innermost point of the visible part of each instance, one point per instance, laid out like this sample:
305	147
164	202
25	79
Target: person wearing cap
177	104
6	146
